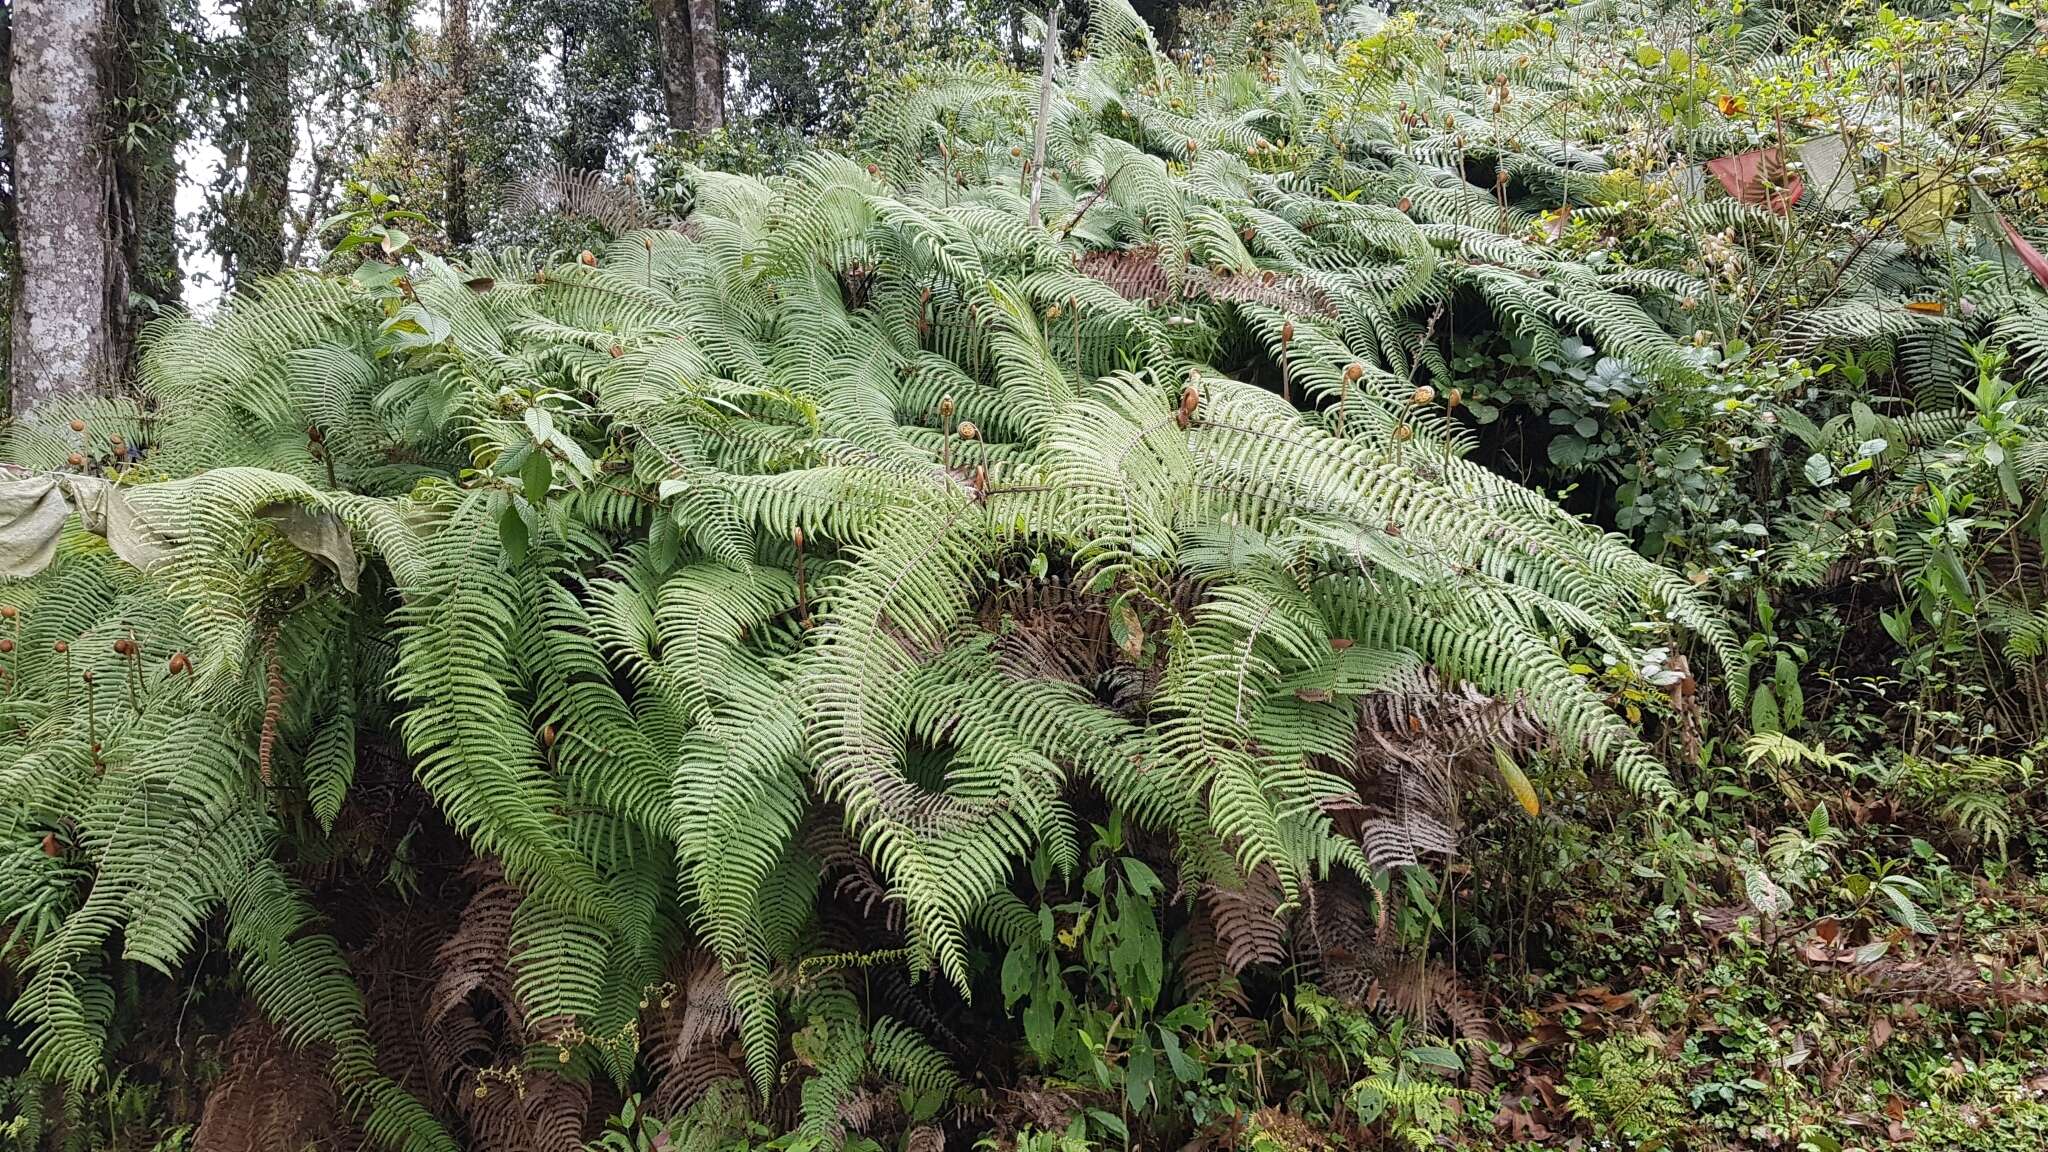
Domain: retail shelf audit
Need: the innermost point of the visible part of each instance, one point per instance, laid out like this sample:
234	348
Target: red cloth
1759	177
2032	258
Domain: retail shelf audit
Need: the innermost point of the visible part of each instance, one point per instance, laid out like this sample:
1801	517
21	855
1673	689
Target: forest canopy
908	575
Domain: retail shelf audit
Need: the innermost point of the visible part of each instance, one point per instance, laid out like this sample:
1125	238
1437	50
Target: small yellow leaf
1516	780
1126	629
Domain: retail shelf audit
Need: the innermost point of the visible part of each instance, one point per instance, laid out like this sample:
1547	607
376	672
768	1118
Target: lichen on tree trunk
672	39
62	342
707	66
272	137
143	96
455	195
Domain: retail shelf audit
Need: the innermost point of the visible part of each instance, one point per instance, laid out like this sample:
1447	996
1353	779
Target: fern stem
273	709
803	606
1074	318
92	729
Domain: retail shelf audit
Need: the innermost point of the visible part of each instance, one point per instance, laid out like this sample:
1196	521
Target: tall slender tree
707	67
147	86
455	197
70	284
690	57
255	242
673	60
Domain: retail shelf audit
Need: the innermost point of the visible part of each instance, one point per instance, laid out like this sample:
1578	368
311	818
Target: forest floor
1650	1010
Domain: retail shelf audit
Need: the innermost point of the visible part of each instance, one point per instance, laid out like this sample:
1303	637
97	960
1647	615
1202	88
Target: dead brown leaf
1518	1125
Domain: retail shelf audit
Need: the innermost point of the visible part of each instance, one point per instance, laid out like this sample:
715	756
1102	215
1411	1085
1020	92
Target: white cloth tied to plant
319	534
34	508
1828	169
32	515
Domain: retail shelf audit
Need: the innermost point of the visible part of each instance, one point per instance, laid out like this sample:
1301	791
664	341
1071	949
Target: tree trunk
270	129
7	214
585	139
455	208
707	67
67	281
1049	54
146	169
672	40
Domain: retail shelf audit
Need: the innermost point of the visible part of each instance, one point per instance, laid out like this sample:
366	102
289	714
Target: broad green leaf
1184	1069
1763	710
512	534
1141	878
537	474
1908	913
1437	1057
1138	1070
1791	698
1017	968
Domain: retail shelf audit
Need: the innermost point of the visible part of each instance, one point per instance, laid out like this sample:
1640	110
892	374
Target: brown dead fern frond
1414	749
271	1095
579	194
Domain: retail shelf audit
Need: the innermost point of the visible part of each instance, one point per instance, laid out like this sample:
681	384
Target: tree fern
853	500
